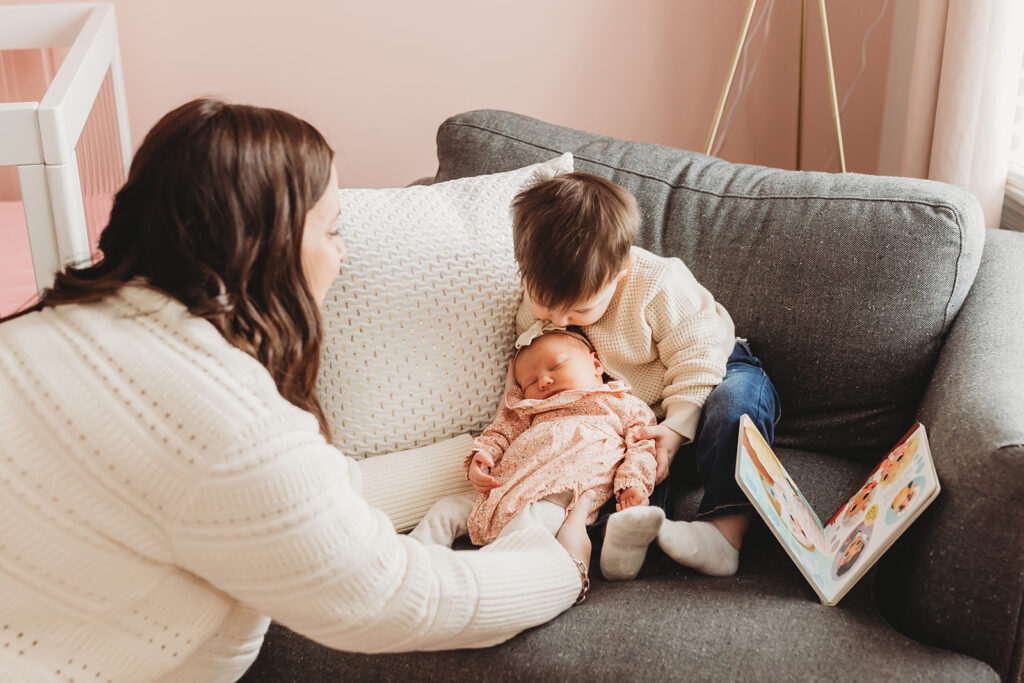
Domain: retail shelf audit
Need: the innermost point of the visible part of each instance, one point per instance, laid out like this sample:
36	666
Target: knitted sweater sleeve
281	526
687	329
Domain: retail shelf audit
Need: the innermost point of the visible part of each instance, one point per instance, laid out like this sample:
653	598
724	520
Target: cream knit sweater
160	502
665	335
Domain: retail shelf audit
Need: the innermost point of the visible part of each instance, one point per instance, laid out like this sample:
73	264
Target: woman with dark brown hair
167	485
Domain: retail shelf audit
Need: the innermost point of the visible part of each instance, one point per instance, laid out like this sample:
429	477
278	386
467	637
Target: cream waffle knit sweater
160	502
665	335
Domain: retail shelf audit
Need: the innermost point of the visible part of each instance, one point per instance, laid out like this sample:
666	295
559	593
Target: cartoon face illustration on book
897	461
859	503
768	466
773	495
803	523
851	550
905	499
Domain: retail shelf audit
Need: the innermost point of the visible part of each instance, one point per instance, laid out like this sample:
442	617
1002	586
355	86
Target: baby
561	431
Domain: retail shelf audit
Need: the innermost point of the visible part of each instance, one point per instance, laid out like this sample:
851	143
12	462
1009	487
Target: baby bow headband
542	327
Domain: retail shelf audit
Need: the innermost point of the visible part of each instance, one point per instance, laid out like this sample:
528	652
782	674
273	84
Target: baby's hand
630	497
480	473
666	443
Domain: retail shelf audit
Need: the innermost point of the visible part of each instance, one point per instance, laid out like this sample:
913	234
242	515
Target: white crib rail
41	138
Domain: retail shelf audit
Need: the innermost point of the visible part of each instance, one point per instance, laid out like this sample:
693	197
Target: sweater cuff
525	579
626	482
682	419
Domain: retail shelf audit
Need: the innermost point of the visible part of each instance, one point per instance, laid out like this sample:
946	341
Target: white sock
626	537
445	520
700	546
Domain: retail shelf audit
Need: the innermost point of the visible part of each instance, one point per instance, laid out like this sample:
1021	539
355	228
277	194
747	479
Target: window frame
1013	201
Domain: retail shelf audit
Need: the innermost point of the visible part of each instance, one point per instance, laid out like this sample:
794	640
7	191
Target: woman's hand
480	473
573	533
666	443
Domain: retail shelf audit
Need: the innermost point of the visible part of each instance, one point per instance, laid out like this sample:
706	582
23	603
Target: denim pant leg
745	389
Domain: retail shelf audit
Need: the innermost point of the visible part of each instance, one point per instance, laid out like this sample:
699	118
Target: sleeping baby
561	431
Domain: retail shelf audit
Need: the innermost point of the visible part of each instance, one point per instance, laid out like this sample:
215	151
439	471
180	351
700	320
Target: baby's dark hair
572	235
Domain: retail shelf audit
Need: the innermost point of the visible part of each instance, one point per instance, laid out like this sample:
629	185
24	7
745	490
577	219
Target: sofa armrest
956	578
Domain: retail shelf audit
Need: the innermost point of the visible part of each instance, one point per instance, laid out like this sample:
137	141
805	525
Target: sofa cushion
763	624
844	283
420	324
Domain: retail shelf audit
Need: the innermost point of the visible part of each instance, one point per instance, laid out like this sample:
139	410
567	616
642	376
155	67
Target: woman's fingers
580	511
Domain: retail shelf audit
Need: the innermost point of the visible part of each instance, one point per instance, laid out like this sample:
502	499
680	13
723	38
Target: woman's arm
281	526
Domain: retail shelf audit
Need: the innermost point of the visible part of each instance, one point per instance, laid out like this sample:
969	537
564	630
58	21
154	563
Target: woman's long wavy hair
212	214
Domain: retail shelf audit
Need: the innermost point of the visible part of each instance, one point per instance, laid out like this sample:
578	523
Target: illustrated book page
833	557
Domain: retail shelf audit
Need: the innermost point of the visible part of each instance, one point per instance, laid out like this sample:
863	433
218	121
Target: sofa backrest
845	284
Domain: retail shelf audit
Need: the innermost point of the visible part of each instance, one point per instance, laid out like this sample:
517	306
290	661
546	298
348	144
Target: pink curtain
967	57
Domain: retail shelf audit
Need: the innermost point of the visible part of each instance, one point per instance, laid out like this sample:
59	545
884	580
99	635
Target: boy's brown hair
572	234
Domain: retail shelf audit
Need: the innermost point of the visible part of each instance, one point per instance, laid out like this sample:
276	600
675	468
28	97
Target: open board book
833	557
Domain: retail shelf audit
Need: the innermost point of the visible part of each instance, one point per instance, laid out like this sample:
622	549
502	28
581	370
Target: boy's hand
630	497
480	473
666	443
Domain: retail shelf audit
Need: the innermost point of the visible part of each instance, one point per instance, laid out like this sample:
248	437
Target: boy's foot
700	546
626	537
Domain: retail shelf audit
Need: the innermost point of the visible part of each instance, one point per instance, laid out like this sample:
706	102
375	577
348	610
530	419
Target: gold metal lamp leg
800	88
728	82
832	86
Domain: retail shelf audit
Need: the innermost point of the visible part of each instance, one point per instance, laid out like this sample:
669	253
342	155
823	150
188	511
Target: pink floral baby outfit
573	441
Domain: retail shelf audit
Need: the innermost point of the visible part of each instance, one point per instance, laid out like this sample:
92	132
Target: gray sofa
872	302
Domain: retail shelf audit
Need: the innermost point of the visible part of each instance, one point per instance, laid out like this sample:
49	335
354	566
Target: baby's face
555	363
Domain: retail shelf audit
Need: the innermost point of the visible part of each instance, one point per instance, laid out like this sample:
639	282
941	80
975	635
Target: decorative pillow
421	322
405	484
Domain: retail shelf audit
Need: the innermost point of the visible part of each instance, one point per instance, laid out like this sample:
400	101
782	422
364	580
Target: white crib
71	147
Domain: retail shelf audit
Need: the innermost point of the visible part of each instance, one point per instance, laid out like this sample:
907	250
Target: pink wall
377	77
764	125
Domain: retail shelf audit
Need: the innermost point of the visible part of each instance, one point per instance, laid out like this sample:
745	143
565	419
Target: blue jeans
745	389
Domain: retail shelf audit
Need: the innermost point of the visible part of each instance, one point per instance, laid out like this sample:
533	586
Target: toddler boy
656	328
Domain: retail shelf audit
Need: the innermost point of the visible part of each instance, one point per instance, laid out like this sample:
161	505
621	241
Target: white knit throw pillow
421	322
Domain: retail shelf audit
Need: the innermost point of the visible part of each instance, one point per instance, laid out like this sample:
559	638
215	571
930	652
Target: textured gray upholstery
845	284
849	288
956	579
